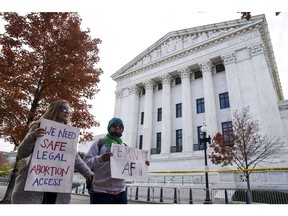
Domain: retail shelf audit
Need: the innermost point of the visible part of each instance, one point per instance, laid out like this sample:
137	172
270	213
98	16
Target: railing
194	195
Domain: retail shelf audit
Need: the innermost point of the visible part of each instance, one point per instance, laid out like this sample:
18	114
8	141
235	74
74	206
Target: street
76	198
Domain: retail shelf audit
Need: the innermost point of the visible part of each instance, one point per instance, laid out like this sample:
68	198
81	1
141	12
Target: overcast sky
128	27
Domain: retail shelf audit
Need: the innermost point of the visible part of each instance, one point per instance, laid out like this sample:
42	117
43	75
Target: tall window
227	129
158	140
177	80
200	105
159	114
179	110
140	141
157	150
224	100
159	86
142	118
198	74
199	133
220	67
179	137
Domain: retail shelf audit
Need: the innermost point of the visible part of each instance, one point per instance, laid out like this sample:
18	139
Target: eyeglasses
118	125
65	109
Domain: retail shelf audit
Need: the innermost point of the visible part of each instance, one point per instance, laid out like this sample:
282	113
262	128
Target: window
227	131
142	118
157	150
158	140
179	110
159	114
159	86
220	67
179	137
198	74
140	141
224	100
178	146
143	91
198	146
177	80
200	105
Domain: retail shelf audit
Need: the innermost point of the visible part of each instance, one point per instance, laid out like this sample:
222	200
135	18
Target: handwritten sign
128	163
52	164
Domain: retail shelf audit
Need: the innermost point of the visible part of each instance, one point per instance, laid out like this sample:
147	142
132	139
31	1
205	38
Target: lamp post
204	140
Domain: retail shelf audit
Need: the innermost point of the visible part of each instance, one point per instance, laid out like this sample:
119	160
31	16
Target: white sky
128	27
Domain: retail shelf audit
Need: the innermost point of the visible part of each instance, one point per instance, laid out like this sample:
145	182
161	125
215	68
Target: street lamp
204	140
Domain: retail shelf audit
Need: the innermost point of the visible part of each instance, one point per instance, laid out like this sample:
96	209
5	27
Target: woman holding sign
59	112
105	189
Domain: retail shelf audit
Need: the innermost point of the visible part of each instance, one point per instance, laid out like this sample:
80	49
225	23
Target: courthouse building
201	75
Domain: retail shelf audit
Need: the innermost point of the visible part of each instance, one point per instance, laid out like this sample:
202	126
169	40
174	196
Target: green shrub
262	196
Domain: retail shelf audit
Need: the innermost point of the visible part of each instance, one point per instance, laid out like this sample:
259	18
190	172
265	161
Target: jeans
105	198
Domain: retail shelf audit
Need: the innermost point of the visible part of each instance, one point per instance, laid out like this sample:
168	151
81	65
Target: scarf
109	139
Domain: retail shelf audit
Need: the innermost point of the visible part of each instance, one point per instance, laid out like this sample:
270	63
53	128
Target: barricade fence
193	195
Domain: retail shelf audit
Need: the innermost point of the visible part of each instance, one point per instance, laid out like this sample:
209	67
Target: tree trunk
249	192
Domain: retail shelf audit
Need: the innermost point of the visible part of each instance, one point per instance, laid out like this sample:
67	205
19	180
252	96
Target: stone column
166	114
148	116
209	98
117	108
232	80
186	110
133	114
268	103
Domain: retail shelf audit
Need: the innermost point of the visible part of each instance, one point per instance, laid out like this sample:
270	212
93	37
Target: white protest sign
128	163
53	158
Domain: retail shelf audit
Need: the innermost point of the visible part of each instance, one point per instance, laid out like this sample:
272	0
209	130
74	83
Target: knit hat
115	121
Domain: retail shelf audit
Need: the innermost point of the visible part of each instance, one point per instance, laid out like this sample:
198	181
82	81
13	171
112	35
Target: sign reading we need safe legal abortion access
128	163
53	158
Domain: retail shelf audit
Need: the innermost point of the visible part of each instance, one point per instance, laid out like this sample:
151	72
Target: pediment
176	42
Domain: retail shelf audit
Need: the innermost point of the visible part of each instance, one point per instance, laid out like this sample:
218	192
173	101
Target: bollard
161	195
175	195
148	194
190	197
226	197
136	196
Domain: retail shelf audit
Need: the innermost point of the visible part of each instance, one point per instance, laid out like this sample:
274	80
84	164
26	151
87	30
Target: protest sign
53	158
128	163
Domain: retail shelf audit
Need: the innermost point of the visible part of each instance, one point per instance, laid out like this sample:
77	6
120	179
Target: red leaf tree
45	57
243	145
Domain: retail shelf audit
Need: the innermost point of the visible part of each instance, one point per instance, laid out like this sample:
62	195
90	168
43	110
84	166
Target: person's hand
106	156
39	132
147	163
89	185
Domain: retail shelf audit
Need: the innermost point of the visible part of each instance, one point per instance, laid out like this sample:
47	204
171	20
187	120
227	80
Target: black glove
89	185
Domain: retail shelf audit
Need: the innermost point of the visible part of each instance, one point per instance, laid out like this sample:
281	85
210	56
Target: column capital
134	89
256	48
184	72
118	93
166	79
206	65
149	84
229	58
